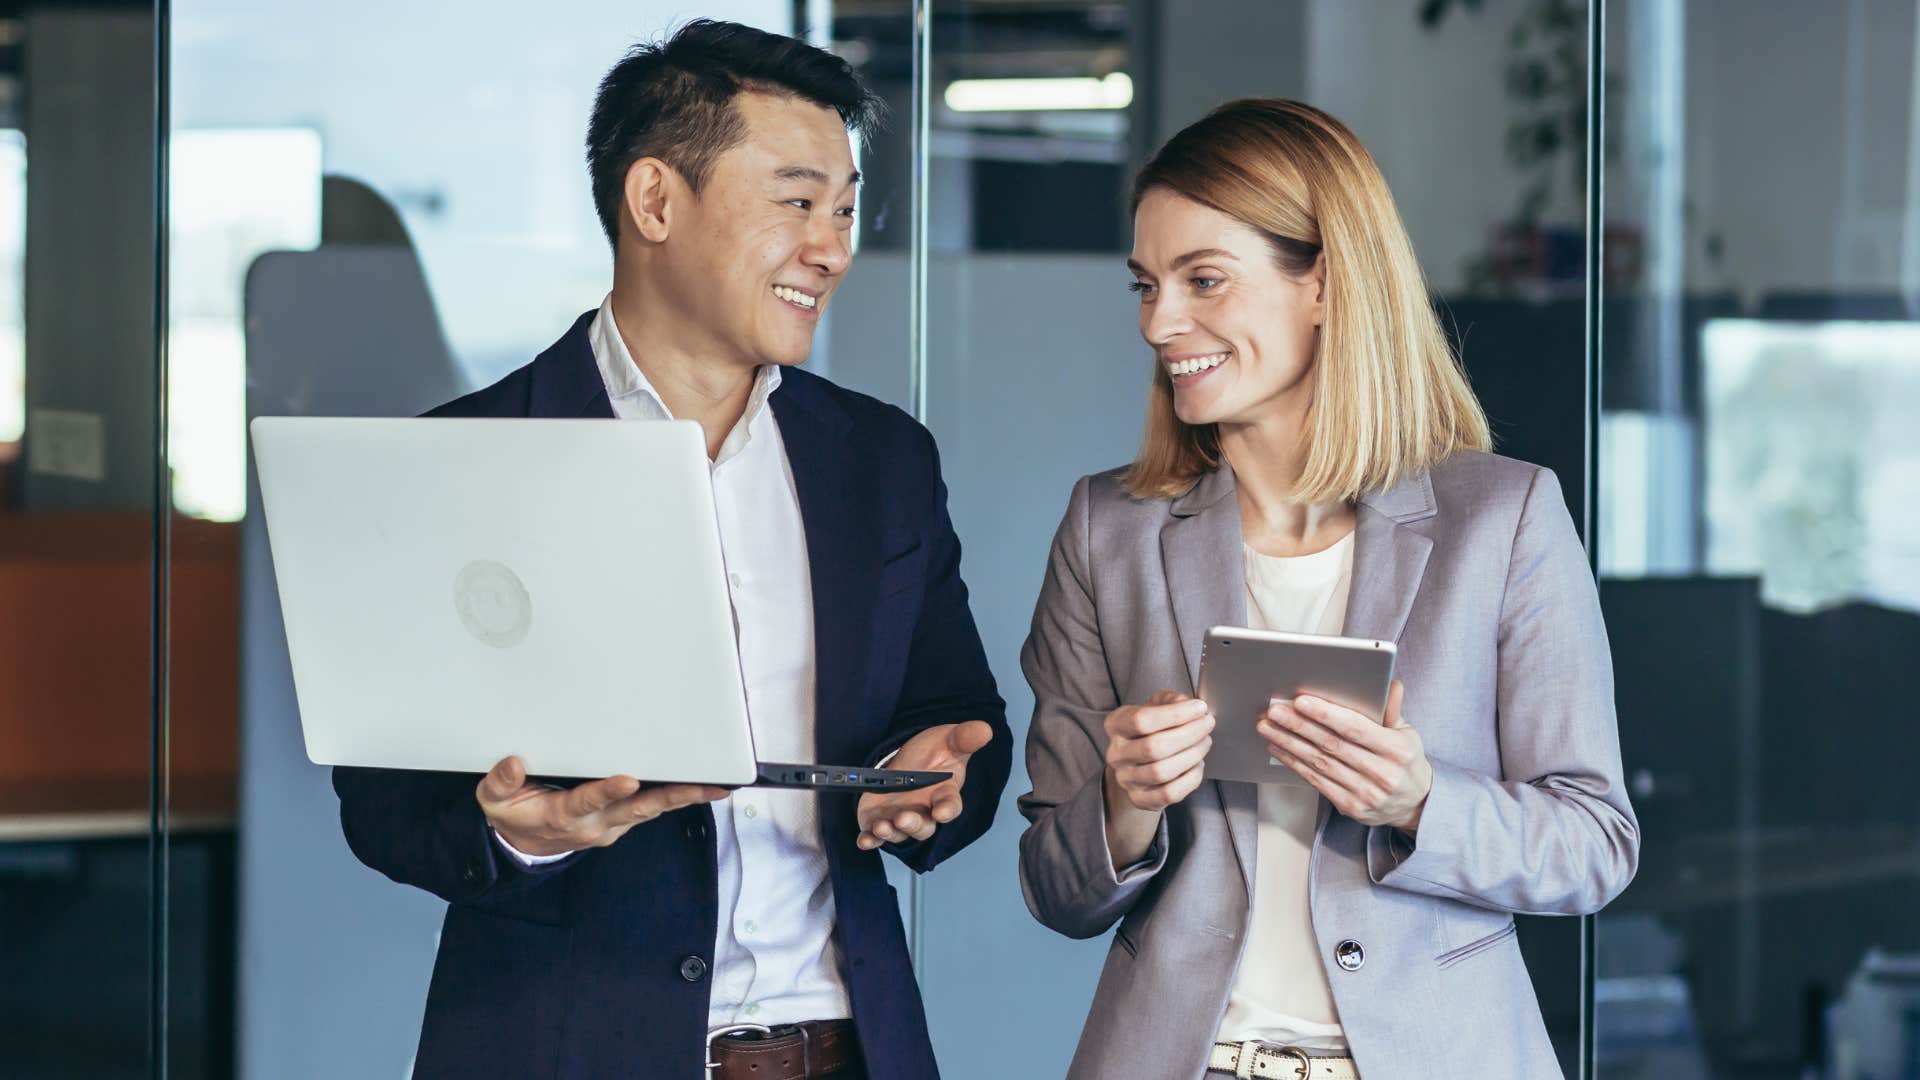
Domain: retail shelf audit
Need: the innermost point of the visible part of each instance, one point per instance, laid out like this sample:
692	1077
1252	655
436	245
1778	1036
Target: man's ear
648	198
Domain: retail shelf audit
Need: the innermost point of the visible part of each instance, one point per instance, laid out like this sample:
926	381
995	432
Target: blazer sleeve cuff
1084	819
1420	863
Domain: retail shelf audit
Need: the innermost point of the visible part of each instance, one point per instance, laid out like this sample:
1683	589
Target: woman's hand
1155	755
1375	774
1155	751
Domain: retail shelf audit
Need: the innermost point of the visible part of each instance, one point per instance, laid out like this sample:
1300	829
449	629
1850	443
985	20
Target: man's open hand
914	815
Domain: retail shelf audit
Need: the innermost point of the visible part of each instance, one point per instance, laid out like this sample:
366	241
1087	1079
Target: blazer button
471	874
693	969
1349	955
696	830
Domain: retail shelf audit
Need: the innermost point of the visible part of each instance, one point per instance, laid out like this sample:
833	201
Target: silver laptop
458	590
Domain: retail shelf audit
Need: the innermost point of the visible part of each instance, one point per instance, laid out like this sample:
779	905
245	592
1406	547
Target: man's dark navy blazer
599	965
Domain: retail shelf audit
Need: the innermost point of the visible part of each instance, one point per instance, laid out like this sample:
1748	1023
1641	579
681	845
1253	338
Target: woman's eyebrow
1202	253
1191	256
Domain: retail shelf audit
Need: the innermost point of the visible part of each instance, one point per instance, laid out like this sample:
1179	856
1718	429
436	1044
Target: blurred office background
370	207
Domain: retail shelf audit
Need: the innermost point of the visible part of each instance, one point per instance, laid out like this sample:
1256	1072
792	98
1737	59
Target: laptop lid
458	590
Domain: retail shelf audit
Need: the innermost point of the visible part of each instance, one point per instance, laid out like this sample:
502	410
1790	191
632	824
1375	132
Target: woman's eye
1139	287
1204	283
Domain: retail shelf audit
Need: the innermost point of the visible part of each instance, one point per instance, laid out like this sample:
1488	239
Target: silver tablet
1241	670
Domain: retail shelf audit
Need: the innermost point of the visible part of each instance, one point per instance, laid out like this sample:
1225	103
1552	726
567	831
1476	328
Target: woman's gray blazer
1475	570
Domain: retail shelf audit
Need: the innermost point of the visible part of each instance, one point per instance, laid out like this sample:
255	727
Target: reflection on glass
236	194
1812	471
13	254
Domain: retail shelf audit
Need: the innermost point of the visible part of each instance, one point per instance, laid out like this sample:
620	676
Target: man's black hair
674	100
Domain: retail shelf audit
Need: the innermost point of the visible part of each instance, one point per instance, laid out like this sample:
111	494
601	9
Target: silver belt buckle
1300	1056
806	1043
1251	1049
730	1029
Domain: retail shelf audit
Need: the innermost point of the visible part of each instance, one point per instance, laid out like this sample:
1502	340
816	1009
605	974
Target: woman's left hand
1373	773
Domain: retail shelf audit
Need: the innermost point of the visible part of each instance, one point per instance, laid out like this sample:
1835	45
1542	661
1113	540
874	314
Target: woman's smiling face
1234	332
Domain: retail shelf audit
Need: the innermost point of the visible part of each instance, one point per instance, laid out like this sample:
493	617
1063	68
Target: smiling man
612	929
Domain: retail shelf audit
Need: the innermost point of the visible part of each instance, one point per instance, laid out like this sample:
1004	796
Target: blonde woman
1314	461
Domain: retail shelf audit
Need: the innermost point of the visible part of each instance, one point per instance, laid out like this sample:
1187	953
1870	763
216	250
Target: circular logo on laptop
493	604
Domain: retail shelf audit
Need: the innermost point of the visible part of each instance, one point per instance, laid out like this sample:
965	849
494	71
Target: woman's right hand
1155	758
1156	752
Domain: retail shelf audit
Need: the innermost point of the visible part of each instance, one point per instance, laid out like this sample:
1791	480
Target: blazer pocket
1474	948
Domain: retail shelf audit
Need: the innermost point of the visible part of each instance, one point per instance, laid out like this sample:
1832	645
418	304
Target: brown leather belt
817	1048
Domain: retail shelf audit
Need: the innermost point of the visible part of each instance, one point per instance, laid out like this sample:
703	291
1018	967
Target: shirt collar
626	383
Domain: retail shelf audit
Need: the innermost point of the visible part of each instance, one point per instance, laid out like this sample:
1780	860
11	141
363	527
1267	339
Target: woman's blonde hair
1389	399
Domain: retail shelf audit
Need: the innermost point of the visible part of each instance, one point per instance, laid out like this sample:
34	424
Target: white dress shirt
775	958
1280	993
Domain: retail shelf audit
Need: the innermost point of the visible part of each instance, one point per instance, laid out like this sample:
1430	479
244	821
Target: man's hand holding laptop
541	820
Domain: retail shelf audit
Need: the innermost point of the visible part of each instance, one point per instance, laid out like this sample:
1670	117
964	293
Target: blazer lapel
1205	572
843	556
1200	553
1389	560
565	383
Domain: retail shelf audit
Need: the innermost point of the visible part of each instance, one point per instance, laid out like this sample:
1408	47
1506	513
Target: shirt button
749	927
692	968
735	578
1349	955
752	811
753	1009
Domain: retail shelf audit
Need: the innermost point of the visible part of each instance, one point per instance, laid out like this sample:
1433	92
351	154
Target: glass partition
375	209
81	873
1757	487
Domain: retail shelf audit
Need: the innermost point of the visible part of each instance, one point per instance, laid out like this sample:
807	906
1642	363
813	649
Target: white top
775	957
1280	992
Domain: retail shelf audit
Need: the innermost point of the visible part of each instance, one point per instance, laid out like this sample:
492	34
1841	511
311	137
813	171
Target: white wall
1798	128
1800	121
1430	106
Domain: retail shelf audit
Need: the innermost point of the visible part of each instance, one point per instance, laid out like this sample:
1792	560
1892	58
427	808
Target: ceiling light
1039	95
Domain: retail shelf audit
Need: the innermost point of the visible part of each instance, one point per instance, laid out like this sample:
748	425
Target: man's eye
845	211
804	204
